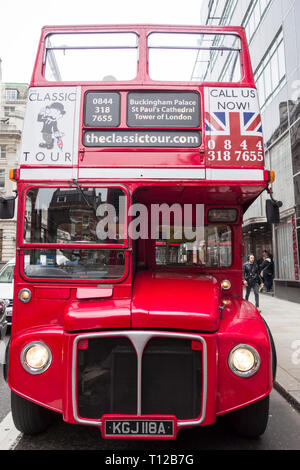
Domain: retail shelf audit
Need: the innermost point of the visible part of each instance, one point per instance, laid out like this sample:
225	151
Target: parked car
7	287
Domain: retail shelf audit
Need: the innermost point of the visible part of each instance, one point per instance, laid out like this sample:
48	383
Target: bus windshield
74	264
74	215
214	250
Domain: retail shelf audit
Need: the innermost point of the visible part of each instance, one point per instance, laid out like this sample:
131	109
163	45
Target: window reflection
74	215
215	250
74	264
271	72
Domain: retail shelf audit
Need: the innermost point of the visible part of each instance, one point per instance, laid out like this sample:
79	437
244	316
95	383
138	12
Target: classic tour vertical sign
51	126
233	128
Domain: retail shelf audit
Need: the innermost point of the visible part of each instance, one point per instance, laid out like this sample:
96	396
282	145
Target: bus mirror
272	211
7	207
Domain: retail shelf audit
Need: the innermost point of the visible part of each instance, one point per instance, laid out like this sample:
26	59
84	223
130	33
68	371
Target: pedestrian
251	279
267	270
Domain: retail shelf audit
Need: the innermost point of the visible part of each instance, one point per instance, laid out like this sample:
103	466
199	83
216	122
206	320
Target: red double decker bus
142	148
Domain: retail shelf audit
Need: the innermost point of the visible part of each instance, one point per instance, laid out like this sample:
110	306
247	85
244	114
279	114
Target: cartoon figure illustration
49	117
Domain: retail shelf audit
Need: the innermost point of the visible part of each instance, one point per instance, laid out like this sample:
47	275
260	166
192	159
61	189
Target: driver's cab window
75	215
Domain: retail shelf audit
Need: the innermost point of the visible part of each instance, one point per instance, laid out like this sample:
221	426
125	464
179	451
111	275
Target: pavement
283	318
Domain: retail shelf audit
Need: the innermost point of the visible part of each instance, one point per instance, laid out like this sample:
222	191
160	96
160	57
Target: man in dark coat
251	279
267	270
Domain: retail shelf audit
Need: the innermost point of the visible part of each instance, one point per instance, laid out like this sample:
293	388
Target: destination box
163	109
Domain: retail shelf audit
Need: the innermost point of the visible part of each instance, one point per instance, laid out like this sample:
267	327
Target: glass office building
274	39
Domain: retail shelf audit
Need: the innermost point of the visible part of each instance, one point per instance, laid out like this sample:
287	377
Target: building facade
12	109
274	41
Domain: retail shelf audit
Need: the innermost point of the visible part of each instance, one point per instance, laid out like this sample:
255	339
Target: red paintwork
156	298
90	315
175	300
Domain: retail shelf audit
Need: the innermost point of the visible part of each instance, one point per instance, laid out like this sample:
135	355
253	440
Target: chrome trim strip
139	340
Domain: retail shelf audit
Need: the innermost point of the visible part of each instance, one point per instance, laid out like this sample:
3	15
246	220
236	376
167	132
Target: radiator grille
171	378
107	378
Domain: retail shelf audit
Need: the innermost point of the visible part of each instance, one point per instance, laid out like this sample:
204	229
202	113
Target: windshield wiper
84	197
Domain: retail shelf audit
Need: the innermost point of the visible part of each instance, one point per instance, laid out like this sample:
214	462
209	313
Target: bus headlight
244	360
36	357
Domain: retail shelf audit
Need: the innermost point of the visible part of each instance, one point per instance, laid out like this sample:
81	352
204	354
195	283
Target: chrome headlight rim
254	369
26	366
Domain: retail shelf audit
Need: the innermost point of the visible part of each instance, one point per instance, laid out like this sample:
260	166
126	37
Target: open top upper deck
140	54
150	103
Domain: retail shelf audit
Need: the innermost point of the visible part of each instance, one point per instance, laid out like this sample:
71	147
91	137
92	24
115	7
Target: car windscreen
7	273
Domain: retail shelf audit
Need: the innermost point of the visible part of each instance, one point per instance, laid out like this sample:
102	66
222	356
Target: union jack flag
233	123
59	142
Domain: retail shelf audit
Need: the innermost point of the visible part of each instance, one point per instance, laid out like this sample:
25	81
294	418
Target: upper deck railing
141	54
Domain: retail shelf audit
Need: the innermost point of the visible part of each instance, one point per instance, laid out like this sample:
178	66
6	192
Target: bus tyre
251	421
5	365
28	417
273	349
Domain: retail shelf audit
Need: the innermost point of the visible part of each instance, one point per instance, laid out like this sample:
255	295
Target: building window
1	243
2	152
8	110
271	72
214	13
212	16
2	179
254	17
285	256
228	12
11	94
281	162
86	220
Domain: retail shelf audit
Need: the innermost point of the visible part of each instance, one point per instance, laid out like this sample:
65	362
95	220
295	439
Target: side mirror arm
270	192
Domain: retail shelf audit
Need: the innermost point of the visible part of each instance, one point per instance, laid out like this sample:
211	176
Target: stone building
12	109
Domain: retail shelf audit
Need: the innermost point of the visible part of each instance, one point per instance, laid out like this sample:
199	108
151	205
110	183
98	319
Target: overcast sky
21	22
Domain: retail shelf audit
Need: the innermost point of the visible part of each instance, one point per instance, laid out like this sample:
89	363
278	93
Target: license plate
132	428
